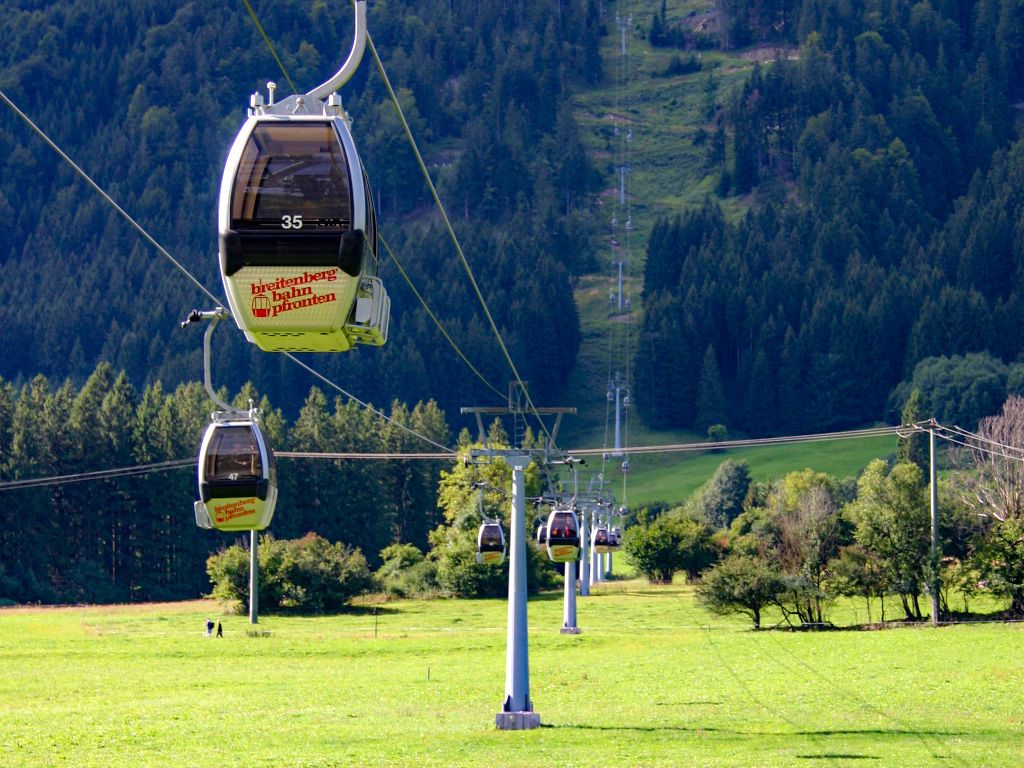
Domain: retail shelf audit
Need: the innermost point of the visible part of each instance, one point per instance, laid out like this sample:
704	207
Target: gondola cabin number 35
298	234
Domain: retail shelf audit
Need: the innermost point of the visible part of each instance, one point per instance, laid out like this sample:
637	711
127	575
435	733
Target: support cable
626	140
437	322
454	238
181	268
747	443
165	466
88	179
270	46
365	405
447	455
363	456
102	474
273	52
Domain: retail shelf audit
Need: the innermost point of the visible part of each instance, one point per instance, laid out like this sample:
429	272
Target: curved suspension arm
214	316
355	56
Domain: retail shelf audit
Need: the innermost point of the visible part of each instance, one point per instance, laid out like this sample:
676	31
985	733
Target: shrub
718	433
307	575
740	584
460	575
671	543
406	572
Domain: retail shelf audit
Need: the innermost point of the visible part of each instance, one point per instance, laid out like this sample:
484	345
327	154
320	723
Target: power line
982	449
979	438
163	251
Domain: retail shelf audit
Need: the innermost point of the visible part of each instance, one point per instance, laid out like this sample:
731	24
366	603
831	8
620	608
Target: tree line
135	538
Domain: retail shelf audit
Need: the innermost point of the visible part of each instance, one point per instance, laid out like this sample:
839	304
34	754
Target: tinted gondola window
292	176
562	526
491	538
233	454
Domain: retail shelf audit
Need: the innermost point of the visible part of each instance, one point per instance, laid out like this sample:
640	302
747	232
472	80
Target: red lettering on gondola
224	513
328	275
290	293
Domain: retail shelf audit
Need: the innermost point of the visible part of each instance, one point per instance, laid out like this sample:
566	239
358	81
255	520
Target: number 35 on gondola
298	232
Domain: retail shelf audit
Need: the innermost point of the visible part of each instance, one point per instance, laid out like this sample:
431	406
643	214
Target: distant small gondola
614	538
237	477
542	534
490	543
563	536
599	540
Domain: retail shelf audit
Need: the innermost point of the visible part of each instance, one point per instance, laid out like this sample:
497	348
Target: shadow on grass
780	734
546	597
837	756
351	610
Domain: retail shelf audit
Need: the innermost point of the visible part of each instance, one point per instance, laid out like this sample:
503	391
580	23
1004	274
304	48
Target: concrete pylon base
517	721
570	630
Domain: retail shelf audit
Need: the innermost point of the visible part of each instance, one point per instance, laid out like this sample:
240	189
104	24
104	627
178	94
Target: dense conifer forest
880	154
147	97
880	248
133	538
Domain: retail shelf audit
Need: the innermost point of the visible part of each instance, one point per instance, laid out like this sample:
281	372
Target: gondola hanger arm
214	316
351	64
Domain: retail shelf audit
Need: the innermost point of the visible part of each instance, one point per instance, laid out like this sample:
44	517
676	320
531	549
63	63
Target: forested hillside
147	96
880	162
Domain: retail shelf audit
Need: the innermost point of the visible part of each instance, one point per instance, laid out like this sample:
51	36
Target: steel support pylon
569	626
584	555
517	710
254	577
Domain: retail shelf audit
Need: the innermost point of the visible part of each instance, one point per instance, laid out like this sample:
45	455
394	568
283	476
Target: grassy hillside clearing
669	175
671	478
652	681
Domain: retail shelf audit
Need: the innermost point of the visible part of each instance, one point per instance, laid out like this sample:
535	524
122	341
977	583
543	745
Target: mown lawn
652	681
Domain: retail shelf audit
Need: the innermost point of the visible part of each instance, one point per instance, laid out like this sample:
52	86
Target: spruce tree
914	447
711	404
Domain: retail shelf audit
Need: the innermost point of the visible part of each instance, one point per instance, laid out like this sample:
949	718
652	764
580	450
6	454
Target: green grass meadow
674	477
652	681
